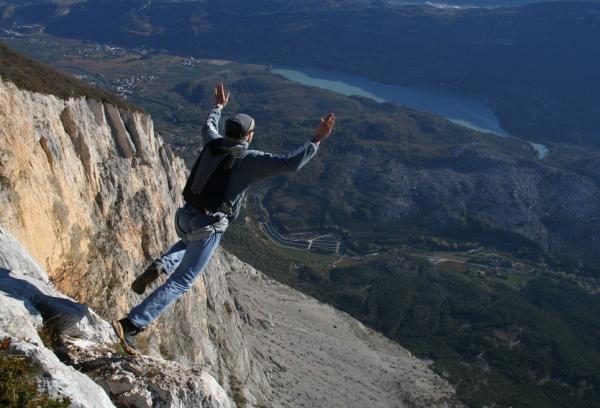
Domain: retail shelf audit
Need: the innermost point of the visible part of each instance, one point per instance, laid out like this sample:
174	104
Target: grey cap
238	125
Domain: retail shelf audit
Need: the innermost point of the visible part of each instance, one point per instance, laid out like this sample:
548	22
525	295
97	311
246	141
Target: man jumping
213	196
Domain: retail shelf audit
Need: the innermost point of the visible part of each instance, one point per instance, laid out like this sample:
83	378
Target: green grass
519	280
320	261
18	383
452	266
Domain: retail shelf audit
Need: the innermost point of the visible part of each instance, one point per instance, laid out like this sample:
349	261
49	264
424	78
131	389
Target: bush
18	384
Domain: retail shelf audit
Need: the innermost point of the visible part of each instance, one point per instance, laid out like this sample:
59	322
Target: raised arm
267	165
210	130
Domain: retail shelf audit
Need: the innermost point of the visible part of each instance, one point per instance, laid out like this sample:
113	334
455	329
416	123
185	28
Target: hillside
33	76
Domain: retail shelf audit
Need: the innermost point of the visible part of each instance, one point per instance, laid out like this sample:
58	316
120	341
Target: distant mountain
537	64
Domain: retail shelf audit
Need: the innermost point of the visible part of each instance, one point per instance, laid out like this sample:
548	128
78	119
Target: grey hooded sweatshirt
251	165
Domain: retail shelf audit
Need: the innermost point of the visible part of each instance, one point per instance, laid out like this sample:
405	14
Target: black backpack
212	196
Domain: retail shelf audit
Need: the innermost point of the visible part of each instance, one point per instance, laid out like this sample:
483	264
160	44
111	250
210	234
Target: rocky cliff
64	340
90	191
87	200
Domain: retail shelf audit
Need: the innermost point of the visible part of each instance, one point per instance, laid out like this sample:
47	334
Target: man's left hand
324	129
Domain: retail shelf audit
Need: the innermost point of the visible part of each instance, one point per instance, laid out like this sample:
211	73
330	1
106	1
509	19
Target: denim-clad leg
188	219
194	260
170	260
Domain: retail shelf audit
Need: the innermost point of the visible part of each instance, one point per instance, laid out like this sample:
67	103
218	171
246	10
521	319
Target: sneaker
151	274
125	331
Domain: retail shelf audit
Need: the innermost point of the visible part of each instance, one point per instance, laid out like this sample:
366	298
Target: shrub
18	383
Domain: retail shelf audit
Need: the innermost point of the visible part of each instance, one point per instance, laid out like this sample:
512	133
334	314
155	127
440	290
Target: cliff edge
87	200
90	191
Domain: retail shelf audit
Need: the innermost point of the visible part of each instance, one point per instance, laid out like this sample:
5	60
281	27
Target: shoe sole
121	335
137	288
138	285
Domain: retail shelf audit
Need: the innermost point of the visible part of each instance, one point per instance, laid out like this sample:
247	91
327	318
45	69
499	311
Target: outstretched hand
221	97
324	129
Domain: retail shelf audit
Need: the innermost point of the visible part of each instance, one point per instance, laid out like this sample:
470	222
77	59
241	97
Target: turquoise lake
461	109
456	107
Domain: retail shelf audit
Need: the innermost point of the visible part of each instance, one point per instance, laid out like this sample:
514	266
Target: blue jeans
183	262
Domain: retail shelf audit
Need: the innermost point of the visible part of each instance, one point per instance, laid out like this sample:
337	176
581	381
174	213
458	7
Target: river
461	109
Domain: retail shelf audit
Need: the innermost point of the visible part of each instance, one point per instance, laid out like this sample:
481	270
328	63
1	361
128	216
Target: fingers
221	96
327	123
325	127
330	120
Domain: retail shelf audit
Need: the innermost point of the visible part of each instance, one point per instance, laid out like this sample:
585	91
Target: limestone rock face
90	371
90	202
27	298
146	382
90	191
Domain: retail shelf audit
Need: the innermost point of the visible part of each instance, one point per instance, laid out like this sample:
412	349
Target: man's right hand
221	97
324	129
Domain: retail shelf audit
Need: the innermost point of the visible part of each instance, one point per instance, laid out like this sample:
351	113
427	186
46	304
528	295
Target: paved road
303	241
288	241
